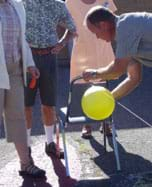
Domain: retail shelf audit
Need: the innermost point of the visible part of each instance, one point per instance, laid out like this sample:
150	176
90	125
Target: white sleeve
29	60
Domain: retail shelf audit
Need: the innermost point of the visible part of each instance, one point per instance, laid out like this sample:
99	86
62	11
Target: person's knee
28	112
28	109
49	114
48	109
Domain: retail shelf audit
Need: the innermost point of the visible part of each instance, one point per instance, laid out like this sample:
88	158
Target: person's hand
75	35
34	72
58	47
89	74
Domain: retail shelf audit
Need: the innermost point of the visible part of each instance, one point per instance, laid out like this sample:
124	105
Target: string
134	114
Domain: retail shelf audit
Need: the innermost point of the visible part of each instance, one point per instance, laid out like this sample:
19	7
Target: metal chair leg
115	145
65	148
104	136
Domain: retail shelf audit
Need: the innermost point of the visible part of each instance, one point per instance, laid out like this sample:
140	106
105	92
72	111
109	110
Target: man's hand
58	47
89	74
34	72
63	41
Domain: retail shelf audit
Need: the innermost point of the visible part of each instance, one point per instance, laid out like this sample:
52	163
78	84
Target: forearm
124	88
67	36
112	71
63	41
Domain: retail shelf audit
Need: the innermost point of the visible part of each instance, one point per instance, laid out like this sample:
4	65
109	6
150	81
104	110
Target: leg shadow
130	163
105	160
60	171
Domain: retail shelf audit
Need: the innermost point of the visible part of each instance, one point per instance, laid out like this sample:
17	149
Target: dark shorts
47	82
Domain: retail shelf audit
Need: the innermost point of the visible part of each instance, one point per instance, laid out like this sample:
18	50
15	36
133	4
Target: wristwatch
94	74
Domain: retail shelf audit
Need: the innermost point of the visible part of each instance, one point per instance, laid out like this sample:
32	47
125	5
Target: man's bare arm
134	76
114	70
63	41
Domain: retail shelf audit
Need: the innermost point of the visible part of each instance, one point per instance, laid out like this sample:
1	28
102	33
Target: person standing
15	60
88	52
43	18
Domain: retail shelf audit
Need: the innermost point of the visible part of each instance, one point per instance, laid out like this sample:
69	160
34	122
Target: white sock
49	132
29	137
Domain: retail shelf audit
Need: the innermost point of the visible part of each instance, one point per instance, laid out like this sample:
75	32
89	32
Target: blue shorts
47	82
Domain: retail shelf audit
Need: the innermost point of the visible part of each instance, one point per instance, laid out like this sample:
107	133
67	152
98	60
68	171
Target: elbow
118	70
136	80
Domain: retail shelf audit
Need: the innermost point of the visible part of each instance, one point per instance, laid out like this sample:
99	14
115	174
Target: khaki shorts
12	106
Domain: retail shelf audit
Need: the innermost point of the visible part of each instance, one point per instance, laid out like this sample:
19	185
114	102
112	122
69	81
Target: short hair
97	14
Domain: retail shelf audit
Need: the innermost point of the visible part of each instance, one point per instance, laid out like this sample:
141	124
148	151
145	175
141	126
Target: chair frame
83	119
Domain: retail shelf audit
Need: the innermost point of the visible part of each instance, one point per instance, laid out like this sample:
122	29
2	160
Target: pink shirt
88	51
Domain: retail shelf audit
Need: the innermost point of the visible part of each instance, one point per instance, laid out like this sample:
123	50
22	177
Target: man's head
101	22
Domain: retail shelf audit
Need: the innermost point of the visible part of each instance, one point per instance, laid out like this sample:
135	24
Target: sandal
108	130
86	132
32	171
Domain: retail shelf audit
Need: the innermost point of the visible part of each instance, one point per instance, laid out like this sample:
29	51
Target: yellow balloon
97	103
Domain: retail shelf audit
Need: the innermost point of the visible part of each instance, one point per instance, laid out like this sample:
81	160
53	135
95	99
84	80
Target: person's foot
51	149
107	129
31	170
86	132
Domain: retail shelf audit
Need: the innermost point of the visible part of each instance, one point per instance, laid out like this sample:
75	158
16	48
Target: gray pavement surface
89	165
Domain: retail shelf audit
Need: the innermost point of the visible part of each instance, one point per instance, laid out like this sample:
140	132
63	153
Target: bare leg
28	113
23	153
27	164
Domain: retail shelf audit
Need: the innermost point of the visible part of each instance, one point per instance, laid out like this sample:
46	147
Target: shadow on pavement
94	183
31	182
134	168
130	163
60	171
111	182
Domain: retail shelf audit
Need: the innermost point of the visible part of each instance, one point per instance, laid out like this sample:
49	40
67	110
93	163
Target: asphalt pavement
89	165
